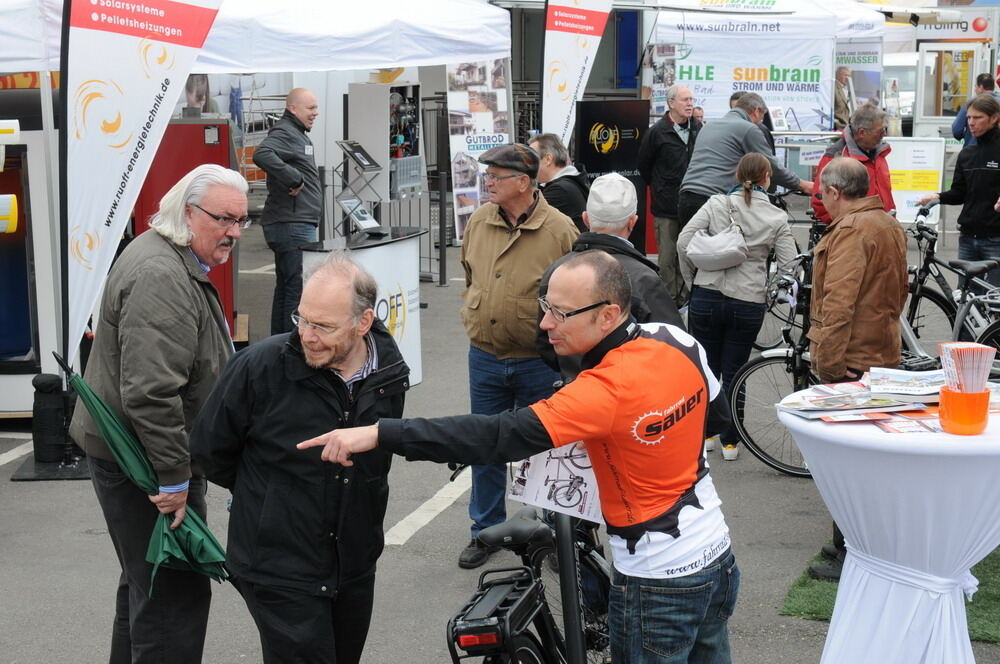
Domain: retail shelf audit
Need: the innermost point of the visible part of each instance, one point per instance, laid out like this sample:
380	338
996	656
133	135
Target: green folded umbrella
192	546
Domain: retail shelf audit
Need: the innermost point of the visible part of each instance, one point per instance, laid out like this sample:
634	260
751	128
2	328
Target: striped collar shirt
369	367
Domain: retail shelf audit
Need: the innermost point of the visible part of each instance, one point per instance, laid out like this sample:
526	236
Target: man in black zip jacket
610	217
294	200
976	186
561	183
663	160
304	536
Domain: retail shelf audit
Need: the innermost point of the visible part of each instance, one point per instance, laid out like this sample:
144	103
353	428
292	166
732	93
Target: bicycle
766	380
517	618
933	314
990	335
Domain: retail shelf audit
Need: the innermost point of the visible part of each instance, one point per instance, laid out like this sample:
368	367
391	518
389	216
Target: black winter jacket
977	185
298	522
651	303
286	155
568	194
663	160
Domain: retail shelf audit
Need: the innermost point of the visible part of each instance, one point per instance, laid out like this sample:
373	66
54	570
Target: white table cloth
917	511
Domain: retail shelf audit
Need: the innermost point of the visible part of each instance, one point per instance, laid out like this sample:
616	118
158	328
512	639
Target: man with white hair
664	155
160	344
611	216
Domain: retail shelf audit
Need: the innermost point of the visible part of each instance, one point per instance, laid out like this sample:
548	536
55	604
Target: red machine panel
190	142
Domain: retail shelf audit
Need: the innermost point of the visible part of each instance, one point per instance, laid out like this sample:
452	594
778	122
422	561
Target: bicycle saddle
974	268
523	528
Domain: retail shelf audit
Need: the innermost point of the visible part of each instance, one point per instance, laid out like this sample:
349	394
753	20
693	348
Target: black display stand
41	471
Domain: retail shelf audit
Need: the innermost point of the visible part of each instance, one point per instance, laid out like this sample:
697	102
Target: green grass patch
813	600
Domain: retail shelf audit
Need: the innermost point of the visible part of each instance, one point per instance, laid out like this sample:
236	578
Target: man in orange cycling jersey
643	405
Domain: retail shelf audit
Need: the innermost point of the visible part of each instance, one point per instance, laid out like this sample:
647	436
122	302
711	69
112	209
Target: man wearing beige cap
507	245
611	216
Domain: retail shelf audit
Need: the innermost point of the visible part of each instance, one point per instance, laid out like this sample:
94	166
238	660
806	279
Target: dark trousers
726	328
981	249
286	241
689	203
169	626
296	628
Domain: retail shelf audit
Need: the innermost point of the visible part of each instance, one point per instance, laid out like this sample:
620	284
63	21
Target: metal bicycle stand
569	587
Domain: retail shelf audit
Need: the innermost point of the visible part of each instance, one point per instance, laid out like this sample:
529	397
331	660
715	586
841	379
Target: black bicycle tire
581	462
571	491
543	562
917	314
991	337
783	455
524	644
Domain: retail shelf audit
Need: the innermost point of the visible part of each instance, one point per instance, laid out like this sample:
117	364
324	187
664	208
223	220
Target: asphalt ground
58	571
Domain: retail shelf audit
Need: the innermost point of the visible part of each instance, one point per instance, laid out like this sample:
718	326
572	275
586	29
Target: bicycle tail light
477	636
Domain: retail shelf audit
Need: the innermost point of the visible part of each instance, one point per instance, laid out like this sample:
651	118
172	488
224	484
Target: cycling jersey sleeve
582	410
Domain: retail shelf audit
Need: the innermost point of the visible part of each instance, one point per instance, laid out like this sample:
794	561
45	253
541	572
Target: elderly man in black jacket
304	536
663	159
611	216
294	200
561	183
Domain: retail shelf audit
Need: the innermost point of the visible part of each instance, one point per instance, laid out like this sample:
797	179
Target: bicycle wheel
991	337
757	386
526	651
568	495
932	317
595	586
578	457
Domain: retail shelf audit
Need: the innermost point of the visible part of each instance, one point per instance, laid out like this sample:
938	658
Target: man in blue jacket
294	200
960	126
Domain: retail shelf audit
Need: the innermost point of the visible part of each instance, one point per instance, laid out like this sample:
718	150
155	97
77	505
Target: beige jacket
859	287
503	267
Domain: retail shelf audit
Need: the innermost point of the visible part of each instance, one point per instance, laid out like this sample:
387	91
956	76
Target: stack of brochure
922	386
814	405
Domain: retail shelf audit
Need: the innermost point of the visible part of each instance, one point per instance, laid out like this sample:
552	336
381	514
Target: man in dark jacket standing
304	536
611	216
561	183
161	342
663	159
976	186
294	200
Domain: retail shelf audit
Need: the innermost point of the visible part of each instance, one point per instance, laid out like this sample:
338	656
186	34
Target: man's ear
586	220
365	322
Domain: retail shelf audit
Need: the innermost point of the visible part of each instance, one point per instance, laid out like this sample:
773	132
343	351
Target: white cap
612	200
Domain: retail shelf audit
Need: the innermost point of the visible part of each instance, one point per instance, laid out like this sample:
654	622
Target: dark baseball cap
515	156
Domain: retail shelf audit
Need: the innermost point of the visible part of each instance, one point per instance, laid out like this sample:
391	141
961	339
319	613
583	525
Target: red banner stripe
159	20
576	21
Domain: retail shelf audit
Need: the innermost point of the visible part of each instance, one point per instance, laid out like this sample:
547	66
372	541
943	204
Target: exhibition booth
246	36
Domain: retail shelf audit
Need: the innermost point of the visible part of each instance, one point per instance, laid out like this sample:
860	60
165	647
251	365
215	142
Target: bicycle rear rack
501	607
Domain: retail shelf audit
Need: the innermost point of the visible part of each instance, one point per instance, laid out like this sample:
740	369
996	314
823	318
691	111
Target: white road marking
19	452
264	269
457	279
420	517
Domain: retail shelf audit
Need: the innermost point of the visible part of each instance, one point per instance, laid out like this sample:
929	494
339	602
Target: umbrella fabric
192	546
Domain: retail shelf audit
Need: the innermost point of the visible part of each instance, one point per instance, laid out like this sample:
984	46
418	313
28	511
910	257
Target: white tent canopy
295	35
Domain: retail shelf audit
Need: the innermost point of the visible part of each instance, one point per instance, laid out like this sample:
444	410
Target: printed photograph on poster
459	123
461	222
466	202
464	169
482	101
461	76
658	74
560	480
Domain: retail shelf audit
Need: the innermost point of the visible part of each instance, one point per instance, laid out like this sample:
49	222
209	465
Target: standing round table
917	511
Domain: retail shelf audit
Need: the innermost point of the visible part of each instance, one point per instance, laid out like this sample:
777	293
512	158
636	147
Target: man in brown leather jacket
859	288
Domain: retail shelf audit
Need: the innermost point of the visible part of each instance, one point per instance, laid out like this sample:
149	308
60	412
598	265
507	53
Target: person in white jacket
727	307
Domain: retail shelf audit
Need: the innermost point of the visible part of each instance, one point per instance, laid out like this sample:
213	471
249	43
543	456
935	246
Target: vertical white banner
573	30
126	64
479	118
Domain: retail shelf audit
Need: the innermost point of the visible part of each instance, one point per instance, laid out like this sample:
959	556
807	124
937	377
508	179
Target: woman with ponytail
726	309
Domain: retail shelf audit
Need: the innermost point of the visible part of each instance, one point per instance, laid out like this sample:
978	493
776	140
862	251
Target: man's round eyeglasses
301	322
490	177
561	316
226	221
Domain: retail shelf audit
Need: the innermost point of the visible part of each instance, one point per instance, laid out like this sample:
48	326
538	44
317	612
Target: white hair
169	221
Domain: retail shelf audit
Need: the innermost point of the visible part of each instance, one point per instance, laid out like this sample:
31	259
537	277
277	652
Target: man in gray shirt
720	147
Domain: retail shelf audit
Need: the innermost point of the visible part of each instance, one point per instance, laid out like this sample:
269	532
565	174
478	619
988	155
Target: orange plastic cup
964	413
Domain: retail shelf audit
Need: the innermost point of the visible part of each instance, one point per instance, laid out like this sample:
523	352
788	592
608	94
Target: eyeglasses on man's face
243	222
493	177
301	323
561	316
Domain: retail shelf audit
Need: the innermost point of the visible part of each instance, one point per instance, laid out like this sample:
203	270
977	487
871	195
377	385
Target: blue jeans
286	240
497	385
980	249
726	328
681	620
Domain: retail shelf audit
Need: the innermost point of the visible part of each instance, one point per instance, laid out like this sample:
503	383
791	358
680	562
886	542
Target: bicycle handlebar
926	209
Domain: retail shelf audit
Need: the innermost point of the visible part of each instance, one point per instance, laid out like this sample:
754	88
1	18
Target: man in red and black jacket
862	140
643	406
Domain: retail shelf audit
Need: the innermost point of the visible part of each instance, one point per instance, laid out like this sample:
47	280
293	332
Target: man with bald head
294	200
674	571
